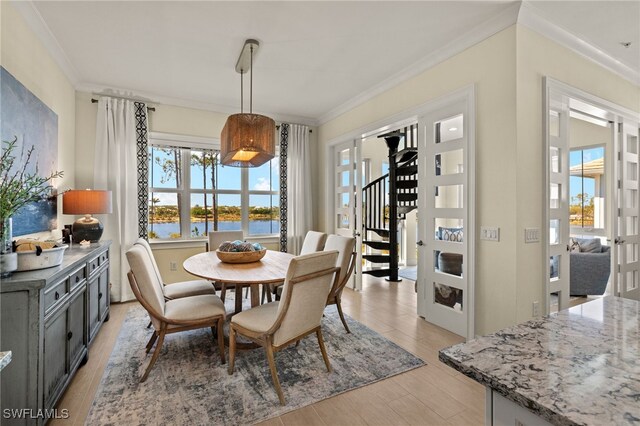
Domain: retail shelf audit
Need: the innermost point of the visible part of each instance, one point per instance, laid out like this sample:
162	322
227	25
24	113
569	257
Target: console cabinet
48	319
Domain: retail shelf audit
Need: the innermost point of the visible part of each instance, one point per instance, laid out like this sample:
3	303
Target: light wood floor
431	395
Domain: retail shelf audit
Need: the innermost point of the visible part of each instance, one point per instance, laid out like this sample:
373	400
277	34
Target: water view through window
191	187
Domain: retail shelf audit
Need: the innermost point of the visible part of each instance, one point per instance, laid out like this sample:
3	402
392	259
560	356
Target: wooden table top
272	268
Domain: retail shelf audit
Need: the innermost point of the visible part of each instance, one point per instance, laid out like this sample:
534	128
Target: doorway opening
591	198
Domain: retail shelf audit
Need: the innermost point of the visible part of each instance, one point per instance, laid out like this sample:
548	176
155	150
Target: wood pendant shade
248	140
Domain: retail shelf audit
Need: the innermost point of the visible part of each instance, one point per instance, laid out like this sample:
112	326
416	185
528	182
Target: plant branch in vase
18	187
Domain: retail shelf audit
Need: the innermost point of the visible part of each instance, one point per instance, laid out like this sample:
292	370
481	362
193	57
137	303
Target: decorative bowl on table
240	252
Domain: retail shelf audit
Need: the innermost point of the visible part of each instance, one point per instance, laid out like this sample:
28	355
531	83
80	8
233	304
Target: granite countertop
579	366
5	359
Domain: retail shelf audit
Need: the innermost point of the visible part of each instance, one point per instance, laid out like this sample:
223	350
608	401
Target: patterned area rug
188	385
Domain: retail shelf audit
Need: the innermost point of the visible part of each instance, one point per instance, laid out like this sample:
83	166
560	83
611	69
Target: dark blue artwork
27	118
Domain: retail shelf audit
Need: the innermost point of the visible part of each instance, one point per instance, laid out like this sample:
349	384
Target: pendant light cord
251	83
241	91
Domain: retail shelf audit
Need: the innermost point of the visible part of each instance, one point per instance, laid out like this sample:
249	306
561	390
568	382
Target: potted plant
18	187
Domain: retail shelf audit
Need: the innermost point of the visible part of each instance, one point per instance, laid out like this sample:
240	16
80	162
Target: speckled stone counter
579	366
5	359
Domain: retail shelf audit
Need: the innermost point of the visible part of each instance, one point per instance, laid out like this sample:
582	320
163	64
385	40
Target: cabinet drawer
54	295
103	258
77	278
93	265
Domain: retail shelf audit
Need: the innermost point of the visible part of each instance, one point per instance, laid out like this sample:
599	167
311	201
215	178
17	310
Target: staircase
387	200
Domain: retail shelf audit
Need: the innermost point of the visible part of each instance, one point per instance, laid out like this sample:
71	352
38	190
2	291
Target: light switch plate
531	235
490	233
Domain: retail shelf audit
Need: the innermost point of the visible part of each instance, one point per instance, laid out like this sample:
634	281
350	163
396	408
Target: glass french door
348	200
446	228
557	200
627	242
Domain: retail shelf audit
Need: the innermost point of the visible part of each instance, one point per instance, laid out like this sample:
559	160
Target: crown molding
155	99
481	32
36	23
533	19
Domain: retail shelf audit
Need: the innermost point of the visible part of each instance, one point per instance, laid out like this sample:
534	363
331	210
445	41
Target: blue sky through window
576	182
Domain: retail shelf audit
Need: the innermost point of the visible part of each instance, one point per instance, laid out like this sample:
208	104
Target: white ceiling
314	56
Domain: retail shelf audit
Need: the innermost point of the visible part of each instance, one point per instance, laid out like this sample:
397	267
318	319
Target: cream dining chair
313	241
346	262
276	325
180	289
171	316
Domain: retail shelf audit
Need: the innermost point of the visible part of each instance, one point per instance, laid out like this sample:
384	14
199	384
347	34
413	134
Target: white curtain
299	200
116	169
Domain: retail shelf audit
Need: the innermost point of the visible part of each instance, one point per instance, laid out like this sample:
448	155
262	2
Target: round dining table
271	269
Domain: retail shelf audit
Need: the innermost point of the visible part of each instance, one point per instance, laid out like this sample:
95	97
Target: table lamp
86	202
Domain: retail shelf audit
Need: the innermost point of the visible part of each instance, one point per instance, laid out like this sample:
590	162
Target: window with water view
191	193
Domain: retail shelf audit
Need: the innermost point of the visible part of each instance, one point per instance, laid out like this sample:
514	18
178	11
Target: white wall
24	56
538	56
491	66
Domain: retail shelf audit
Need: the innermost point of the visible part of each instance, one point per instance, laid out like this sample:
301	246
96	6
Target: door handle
420	243
357	234
619	241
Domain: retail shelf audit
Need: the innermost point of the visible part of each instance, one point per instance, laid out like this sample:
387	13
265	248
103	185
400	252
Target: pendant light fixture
247	140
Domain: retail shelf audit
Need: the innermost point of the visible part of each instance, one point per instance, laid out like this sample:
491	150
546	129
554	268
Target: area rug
188	385
410	273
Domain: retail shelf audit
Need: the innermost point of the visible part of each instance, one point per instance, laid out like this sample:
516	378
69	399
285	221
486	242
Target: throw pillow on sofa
450	234
589	245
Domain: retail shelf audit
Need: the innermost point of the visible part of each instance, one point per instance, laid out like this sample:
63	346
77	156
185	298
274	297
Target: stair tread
377	272
407	170
377	258
407	196
378	245
380	231
407	183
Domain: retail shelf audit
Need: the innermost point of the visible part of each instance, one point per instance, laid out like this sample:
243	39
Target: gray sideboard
48	319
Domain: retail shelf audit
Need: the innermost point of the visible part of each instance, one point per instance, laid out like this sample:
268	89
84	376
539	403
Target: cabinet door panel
75	335
94	314
55	355
103	294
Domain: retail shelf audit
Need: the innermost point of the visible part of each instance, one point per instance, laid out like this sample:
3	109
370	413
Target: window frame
197	143
578	230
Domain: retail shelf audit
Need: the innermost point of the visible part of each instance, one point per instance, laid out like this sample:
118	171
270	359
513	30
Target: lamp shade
88	201
247	140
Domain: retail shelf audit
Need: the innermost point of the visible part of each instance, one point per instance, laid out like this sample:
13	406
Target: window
191	193
587	189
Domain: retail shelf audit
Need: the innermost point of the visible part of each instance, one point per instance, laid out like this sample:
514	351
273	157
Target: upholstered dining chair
180	289
276	325
171	316
215	239
313	241
346	262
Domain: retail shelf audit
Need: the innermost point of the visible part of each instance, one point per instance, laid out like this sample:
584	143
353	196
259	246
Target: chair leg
214	332
268	291
223	292
323	350
344	322
274	373
221	339
149	326
232	348
156	353
154	336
